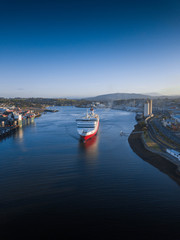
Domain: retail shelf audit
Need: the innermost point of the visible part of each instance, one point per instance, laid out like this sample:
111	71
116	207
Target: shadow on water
155	160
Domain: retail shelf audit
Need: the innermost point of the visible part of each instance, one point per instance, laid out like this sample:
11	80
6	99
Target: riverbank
164	165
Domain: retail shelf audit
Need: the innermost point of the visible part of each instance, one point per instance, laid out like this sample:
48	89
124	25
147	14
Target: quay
13	118
6	128
6	131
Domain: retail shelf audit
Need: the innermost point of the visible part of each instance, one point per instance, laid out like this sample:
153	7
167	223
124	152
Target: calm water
53	182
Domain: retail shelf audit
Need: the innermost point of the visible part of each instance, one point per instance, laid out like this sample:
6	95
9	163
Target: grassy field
150	143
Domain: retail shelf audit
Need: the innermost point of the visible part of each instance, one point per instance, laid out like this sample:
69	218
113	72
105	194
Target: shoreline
164	165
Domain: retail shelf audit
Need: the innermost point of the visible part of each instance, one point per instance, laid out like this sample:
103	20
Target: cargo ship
88	125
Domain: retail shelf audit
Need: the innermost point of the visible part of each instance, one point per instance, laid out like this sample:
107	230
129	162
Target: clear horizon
81	49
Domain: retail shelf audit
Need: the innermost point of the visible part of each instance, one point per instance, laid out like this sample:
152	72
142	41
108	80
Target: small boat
123	133
88	125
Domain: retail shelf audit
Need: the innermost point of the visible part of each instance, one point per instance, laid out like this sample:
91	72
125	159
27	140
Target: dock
6	131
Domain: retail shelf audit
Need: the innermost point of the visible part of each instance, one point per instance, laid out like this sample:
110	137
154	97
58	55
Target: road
158	138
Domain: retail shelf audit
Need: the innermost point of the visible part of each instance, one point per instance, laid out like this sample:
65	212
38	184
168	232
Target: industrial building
148	108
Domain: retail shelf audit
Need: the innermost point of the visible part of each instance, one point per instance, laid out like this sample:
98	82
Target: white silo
20	117
150	107
146	109
20	120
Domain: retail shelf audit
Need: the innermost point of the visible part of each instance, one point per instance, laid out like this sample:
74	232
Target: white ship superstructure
88	125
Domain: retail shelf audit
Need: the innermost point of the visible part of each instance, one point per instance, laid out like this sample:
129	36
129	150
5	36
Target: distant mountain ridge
118	96
125	96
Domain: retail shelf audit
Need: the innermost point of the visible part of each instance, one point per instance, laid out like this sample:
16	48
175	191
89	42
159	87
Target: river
51	181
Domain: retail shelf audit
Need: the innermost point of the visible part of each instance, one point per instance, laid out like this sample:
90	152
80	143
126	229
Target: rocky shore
161	163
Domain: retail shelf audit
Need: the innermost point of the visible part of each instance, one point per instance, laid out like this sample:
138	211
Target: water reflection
19	134
89	149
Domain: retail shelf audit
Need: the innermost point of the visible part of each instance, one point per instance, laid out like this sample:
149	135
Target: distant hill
117	96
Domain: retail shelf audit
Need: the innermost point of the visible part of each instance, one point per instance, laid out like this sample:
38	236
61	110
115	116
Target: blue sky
87	48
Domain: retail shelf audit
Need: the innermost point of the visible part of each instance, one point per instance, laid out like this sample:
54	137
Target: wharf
6	131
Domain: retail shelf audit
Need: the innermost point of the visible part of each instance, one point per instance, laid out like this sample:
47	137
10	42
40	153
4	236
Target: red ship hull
85	138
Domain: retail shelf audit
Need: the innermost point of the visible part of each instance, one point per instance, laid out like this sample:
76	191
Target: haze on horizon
88	48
